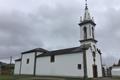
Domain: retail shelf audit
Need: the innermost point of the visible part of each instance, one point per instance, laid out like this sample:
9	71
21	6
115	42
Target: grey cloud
17	34
53	24
60	24
109	36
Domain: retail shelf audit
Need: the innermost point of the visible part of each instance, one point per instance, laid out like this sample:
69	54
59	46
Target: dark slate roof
66	51
35	50
18	59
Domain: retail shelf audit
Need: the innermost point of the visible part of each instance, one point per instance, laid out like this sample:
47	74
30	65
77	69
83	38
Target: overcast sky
53	24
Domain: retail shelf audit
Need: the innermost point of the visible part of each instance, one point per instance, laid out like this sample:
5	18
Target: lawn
10	77
5	77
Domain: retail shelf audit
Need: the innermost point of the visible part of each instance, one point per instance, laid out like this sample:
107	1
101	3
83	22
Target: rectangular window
79	66
52	59
27	61
90	30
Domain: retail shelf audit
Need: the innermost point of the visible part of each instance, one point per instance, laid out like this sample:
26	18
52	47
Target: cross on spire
86	5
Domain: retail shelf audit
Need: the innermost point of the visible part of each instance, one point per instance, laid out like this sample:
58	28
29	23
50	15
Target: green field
6	77
47	78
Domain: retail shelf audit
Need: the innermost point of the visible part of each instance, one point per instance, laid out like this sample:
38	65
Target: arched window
93	32
85	32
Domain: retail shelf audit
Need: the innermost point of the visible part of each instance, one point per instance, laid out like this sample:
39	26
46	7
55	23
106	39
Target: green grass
11	77
117	77
5	77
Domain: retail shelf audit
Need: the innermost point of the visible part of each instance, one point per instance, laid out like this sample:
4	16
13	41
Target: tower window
90	30
27	62
93	32
79	66
52	59
85	32
94	54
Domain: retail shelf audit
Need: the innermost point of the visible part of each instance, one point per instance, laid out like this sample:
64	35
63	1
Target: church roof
66	51
57	52
35	50
2	63
18	59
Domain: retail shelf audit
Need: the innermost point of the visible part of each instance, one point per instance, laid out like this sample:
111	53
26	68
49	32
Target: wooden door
95	73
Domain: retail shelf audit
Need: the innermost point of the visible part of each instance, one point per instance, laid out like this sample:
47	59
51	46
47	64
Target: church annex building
81	61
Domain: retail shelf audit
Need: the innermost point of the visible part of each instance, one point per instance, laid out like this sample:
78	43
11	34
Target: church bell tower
87	28
87	37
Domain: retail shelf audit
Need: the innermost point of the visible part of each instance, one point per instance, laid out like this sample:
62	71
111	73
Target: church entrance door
95	73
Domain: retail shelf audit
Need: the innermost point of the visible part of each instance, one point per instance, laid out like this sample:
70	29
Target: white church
81	61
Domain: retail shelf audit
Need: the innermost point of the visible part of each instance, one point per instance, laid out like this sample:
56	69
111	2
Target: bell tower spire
87	26
86	14
92	57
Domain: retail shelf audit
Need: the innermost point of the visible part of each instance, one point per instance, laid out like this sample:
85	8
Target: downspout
101	63
85	63
34	72
20	64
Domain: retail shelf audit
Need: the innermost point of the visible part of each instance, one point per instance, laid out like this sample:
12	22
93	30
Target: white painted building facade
17	67
62	66
82	61
116	70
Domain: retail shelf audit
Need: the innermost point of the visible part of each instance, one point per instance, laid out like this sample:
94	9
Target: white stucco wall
64	65
28	68
17	68
98	63
115	71
89	59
